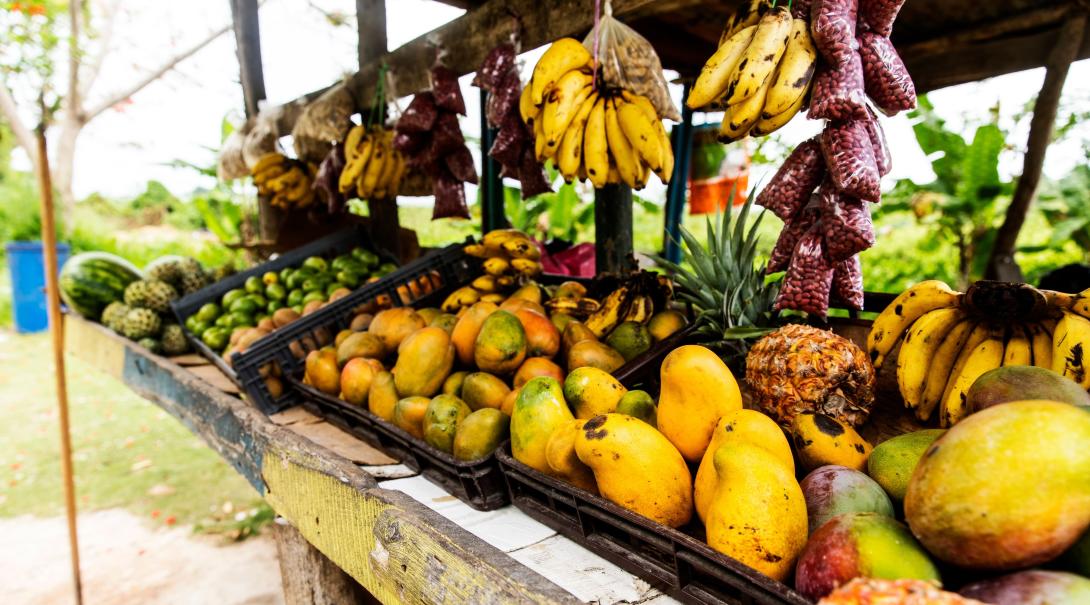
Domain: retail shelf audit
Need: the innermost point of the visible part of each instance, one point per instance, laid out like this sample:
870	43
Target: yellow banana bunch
633	300
507	255
287	183
1070	346
761	73
971	364
578	308
892	323
373	168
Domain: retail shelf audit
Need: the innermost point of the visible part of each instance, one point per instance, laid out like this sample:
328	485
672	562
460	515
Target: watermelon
92	280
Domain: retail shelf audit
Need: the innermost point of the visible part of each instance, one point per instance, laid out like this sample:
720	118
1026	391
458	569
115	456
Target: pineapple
141	323
727	288
802	369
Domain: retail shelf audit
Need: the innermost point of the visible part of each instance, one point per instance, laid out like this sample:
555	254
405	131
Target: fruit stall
490	422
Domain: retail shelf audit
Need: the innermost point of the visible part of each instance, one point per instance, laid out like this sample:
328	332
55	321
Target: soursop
167	269
193	276
136	294
141	323
150	294
150	344
114	315
173	339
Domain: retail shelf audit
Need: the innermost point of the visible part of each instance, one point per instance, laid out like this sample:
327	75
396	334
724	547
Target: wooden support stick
613	229
248	43
1001	265
56	329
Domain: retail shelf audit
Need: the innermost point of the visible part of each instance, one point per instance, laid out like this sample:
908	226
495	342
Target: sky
179	116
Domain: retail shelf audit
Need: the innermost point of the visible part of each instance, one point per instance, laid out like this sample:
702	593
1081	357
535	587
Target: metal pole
492	208
682	140
56	329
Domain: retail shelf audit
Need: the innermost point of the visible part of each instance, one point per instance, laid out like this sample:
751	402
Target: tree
31	35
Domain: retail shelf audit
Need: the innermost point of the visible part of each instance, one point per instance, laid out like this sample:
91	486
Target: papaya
536	366
594	354
356	379
409	415
429	314
446	321
637	468
464	335
738	426
821	439
639	404
560	456
424	361
321	371
360	344
392	326
542	338
480	433
501	344
574	332
539	410
508	405
664	323
382	398
453	384
590	392
697	389
483	390
561	320
441	419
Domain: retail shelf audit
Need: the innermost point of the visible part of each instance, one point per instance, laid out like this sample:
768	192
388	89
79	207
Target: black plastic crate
333	244
478	483
673	561
286	348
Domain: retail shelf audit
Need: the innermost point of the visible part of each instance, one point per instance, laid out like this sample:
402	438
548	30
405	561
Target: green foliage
30	35
1066	206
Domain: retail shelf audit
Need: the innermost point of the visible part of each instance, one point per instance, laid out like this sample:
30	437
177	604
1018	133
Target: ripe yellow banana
1070	347
614	175
525	266
795	72
716	73
595	145
496	266
527	109
270	172
539	140
761	56
746	16
628	163
942	365
766	126
563	56
918	349
988	355
909	306
640	309
352	142
267	161
665	145
1041	343
476	250
562	103
394	188
642	132
739	119
367	182
1019	349
521	247
576	307
1081	304
608	315
353	169
569	157
389	169
484	283
462	297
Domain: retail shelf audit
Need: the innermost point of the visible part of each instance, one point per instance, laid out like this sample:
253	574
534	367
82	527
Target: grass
127	452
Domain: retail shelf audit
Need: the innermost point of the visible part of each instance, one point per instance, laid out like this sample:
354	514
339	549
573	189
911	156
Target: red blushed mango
834	490
542	337
356	378
537	366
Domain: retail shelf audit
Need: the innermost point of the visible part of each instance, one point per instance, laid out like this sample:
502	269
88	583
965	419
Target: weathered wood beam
248	43
1001	264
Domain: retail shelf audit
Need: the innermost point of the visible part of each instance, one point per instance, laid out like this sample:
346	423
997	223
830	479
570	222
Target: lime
313	296
223	321
296	279
333	287
368	258
273	306
208	312
259	299
245	305
386	268
199	328
314	284
285	273
298	309
349	278
275	292
295	297
317	263
240	319
231	296
215	338
254	285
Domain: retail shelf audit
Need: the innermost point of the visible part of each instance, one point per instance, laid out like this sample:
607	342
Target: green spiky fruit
141	323
167	269
173	339
150	344
136	294
114	315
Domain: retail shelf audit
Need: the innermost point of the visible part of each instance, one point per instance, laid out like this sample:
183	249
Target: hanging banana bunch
286	182
607	136
761	74
373	169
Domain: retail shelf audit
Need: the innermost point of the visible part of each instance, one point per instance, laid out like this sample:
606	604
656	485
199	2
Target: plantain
761	56
795	72
909	306
717	71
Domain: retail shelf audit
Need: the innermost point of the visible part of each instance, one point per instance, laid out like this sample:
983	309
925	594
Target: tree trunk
63	165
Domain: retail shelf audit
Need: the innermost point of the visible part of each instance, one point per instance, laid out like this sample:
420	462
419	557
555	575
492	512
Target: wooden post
493	215
1001	265
613	229
248	43
309	577
56	329
682	139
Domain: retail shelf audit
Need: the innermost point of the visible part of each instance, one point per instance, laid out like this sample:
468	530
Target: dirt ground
127	561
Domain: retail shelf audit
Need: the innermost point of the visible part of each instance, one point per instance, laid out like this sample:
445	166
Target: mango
480	433
562	459
337	340
359	323
1006	488
697	389
738	426
530	292
821	439
453	384
424	361
322	372
892	461
542	337
636	467
561	321
441	419
360	344
574	332
483	390
464	335
570	289
447	321
392	326
429	314
860	545
664	323
591	392
356	378
539	410
512	305
1024	383
534	367
409	415
382	398
1031	587
501	344
594	354
508	405
757	514
630	339
833	490
639	404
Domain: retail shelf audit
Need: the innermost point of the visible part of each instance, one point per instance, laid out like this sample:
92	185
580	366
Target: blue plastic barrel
27	264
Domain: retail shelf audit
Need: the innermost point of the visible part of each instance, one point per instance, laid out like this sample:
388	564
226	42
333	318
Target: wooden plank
309	577
248	43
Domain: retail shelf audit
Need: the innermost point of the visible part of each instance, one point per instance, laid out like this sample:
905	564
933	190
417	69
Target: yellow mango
590	392
453	384
539	410
480	433
441	419
464	334
665	323
483	390
382	398
639	404
501	344
591	353
534	367
821	439
637	468
429	314
356	378
321	371
561	457
530	292
424	361
409	415
738	426
360	344
758	513
697	390
574	332
394	325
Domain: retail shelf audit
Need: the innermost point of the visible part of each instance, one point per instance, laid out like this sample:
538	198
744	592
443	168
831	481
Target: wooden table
402	538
